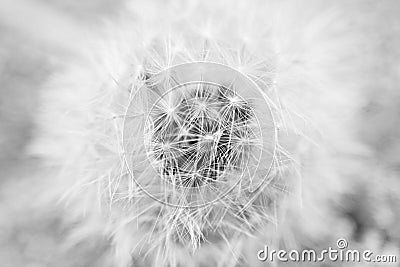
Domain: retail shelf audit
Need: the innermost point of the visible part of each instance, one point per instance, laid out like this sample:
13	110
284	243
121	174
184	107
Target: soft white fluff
305	57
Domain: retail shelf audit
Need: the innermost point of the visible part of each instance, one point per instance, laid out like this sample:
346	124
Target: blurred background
31	52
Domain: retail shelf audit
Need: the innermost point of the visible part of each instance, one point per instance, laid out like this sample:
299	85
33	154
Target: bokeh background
32	233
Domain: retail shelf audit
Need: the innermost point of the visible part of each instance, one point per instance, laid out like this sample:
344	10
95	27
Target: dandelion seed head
198	145
203	133
171	136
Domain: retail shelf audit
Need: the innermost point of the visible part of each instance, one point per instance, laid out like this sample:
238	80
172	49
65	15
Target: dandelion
178	145
202	143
